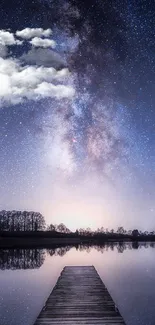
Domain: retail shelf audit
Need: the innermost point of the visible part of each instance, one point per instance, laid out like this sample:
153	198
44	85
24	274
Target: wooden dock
79	298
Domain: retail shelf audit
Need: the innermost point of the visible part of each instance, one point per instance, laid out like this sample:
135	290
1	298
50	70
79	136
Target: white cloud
20	81
8	66
31	82
32	76
28	33
7	38
18	42
40	42
49	90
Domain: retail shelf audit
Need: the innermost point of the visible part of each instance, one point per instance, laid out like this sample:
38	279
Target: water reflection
34	258
59	251
21	258
120	246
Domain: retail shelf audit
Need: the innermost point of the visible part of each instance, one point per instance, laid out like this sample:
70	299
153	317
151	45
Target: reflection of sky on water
129	277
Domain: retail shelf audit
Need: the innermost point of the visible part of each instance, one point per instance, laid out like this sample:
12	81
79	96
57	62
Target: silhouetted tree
135	233
152	233
81	231
101	230
62	228
121	231
88	232
21	221
51	227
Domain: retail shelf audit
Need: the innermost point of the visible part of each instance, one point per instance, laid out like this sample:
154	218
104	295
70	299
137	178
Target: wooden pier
79	298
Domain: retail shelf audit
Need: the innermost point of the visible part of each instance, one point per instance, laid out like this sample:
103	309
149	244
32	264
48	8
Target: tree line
27	221
21	221
88	232
30	221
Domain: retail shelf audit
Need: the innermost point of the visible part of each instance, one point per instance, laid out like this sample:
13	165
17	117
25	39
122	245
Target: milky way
77	140
91	124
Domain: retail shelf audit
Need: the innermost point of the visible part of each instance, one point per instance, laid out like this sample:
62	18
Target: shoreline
27	242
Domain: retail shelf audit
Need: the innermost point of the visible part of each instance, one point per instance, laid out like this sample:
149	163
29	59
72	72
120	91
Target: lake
27	277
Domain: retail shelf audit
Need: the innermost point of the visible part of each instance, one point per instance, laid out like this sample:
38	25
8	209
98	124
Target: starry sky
77	115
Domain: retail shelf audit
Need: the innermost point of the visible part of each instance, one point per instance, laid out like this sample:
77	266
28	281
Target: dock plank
79	298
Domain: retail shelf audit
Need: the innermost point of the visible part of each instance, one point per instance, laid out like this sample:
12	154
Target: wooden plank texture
79	298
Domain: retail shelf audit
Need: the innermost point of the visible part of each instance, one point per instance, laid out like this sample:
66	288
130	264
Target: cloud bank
29	33
7	38
31	81
39	42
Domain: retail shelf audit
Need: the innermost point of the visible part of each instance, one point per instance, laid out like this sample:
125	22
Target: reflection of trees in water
28	258
21	258
58	251
34	258
84	247
119	246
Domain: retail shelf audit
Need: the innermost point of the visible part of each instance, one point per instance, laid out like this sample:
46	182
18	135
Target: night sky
77	111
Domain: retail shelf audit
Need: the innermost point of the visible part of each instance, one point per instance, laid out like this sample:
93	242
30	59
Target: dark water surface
27	277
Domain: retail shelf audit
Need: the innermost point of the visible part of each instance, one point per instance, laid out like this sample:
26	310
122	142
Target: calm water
28	275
